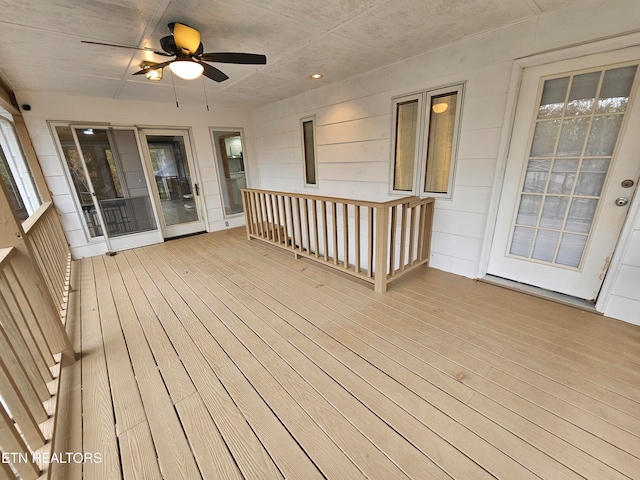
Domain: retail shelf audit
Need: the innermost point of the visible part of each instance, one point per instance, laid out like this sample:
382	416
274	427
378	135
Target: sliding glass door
106	170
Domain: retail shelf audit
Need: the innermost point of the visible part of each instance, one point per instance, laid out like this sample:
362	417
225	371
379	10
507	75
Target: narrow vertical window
15	172
309	151
441	142
407	116
12	187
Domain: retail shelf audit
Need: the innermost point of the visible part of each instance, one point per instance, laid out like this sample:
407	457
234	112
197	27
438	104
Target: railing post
382	248
248	216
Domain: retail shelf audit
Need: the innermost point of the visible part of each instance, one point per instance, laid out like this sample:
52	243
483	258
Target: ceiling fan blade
185	37
157	66
146	49
213	73
231	57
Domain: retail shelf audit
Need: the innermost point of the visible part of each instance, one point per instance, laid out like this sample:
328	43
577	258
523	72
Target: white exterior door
572	169
176	186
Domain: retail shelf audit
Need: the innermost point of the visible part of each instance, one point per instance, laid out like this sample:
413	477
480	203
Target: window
15	173
309	151
425	141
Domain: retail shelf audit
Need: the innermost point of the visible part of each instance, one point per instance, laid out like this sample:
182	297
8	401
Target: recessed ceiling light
316	76
88	131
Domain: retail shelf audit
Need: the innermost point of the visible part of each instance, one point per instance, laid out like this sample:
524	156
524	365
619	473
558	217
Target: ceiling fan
184	44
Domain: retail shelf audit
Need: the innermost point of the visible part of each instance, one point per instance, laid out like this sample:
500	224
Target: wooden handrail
375	241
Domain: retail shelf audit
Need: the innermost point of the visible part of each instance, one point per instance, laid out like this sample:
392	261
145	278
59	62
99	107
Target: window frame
422	140
303	120
20	170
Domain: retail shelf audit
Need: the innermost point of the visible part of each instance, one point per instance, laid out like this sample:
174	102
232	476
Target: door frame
194	172
520	64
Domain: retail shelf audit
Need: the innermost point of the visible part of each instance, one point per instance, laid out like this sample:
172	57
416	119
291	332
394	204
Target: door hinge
197	189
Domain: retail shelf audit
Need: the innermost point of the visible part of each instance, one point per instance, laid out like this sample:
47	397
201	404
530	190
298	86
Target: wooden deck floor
216	357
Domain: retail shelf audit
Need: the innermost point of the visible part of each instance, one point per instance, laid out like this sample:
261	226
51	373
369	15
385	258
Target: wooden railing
51	252
34	284
375	241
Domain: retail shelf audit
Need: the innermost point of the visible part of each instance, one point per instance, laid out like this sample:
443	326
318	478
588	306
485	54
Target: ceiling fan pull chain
204	87
175	94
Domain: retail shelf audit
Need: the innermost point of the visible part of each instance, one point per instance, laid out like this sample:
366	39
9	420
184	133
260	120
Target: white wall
353	121
46	107
624	301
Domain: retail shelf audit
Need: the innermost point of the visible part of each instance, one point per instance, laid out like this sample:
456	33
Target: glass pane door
576	130
178	195
230	159
114	178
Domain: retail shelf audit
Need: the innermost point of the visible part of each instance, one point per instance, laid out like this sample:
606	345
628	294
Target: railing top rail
30	222
351	201
5	255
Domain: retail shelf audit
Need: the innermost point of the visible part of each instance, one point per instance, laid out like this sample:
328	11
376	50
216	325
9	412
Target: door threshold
556	297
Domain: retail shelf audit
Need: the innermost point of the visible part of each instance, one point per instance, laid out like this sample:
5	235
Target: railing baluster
325	231
17	340
357	234
292	232
421	232
299	224
345	228
371	253
276	220
412	235
19	409
29	315
315	227
256	201
18	322
31	395
334	216
307	226
11	441
403	234
254	213
271	217
392	246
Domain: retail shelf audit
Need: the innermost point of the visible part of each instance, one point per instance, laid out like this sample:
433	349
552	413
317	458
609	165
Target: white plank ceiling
41	49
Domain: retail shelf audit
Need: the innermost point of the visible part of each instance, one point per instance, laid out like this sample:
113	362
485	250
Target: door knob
621	201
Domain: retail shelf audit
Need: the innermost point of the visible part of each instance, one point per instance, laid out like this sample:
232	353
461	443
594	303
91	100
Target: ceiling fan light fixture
151	73
187	69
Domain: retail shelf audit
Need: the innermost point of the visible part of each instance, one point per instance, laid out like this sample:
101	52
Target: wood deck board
263	366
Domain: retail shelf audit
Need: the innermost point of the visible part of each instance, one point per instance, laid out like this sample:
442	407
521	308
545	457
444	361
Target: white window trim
18	165
424	102
312	119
